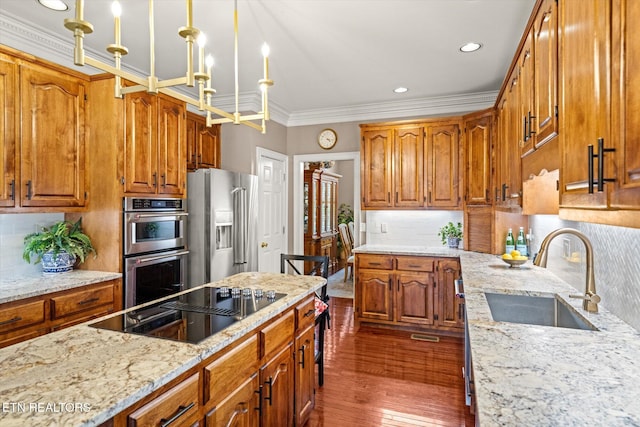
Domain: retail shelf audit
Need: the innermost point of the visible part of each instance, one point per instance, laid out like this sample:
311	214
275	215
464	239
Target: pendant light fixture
153	85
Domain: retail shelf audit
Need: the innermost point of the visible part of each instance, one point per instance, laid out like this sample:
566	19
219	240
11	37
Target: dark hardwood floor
377	377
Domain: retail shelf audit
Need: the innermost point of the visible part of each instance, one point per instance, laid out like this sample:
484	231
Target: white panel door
272	218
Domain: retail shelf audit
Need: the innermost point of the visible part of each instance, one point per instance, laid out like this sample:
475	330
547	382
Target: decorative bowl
513	263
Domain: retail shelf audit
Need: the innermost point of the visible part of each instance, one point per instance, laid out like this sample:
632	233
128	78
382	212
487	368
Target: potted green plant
58	246
451	234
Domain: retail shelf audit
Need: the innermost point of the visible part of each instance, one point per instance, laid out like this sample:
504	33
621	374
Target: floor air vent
420	337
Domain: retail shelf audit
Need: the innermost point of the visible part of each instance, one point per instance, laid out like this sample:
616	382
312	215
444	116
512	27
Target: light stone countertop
20	287
106	371
527	375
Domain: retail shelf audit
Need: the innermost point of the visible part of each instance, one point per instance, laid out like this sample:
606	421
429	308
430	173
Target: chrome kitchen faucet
591	299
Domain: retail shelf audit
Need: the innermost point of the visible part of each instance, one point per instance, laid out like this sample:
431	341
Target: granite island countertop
527	375
83	376
25	286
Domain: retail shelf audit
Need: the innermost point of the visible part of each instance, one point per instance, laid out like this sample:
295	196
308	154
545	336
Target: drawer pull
375	263
10	321
181	411
310	312
414	266
88	301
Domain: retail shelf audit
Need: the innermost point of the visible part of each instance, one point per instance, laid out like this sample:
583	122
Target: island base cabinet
276	404
305	370
178	406
239	409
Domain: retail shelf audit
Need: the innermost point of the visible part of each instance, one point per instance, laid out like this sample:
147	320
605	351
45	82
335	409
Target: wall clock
327	139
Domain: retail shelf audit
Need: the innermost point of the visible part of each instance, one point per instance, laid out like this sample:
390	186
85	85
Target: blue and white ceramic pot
58	263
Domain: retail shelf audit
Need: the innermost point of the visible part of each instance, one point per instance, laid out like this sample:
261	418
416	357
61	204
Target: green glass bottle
510	243
521	242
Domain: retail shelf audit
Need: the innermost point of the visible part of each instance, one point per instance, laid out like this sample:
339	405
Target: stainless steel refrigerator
223	222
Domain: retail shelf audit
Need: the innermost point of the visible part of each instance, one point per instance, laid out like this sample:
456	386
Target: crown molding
424	107
20	35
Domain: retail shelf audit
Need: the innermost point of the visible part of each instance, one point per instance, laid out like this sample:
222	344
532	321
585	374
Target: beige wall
239	144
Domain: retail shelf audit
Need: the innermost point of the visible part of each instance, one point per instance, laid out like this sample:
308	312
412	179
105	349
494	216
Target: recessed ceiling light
58	5
470	47
400	89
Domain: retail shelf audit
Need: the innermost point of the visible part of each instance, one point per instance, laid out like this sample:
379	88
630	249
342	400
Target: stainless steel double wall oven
155	248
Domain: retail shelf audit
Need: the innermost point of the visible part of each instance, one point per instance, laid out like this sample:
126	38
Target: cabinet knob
264	244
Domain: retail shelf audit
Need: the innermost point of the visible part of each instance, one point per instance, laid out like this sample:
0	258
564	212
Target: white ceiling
331	60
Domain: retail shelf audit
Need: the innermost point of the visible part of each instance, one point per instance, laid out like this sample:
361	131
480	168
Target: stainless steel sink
534	310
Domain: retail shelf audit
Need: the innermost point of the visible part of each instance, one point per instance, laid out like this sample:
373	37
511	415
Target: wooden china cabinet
321	215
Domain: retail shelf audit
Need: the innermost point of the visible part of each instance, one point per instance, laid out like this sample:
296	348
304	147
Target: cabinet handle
12	186
396	197
29	190
504	191
310	312
388	196
155	179
181	411
590	167
375	263
524	129
530	127
88	301
302	350
429	197
601	179
270	398
10	321
601	151
164	179
259	408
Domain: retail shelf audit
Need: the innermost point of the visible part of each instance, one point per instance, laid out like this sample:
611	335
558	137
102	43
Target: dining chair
320	267
347	246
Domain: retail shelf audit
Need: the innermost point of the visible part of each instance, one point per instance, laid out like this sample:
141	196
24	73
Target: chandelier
153	85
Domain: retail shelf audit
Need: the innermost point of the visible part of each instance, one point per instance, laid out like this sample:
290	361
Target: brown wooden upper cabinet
410	165
477	175
626	103
203	143
8	125
585	77
43	136
509	139
155	145
545	76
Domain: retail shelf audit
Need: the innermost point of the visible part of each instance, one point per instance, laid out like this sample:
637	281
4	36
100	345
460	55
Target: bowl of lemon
514	259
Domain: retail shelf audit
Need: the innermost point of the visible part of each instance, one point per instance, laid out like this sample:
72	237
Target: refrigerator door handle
240	225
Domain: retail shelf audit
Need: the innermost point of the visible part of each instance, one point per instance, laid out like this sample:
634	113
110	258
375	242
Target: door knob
264	244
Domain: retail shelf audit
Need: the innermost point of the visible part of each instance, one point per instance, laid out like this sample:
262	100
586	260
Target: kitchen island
86	376
526	375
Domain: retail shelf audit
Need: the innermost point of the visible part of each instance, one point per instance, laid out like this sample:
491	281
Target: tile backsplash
13	228
616	261
408	228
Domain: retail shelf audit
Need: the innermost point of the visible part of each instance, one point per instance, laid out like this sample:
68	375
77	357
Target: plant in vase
58	246
451	234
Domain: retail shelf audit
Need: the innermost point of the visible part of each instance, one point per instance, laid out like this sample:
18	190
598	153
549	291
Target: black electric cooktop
193	316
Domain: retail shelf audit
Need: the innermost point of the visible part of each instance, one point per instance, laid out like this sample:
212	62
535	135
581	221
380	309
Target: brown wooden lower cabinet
178	406
239	408
413	292
276	378
31	317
